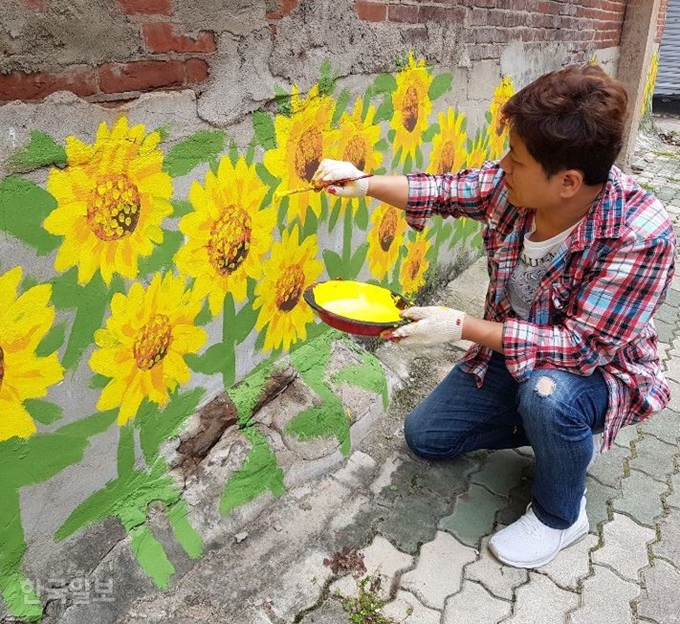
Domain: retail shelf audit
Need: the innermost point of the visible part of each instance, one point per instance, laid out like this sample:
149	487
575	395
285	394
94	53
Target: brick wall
162	52
661	21
490	24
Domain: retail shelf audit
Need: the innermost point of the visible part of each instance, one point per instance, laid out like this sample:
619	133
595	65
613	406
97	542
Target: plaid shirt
593	308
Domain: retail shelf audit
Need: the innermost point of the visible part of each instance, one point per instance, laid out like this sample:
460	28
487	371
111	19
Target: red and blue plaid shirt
594	306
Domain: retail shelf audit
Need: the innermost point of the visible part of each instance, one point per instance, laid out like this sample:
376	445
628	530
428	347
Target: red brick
20	86
370	11
161	37
283	9
140	76
146	7
402	13
454	15
36	5
197	70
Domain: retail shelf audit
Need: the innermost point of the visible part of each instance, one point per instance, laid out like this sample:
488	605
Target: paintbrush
319	186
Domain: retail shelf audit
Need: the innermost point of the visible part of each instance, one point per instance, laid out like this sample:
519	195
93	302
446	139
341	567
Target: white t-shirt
532	265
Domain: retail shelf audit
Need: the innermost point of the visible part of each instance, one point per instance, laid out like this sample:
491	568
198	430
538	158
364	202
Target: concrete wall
147	263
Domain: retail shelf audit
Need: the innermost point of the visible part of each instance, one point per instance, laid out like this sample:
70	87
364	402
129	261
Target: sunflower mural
227	233
496	131
415	265
449	144
111	200
291	268
359	135
650	83
141	269
143	345
302	139
388	228
25	320
412	108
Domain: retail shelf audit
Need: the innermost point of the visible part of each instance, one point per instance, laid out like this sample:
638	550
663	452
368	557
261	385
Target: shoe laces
530	524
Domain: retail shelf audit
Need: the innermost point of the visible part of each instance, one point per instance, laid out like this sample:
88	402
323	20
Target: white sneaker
528	543
597	443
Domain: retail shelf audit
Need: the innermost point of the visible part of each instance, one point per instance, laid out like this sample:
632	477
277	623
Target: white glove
331	170
431	325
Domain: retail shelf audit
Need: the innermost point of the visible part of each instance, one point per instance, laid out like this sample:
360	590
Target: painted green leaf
323	421
384	83
204	316
385	111
361	215
408	163
333	264
282	100
357	261
200	147
340	106
156	424
431	132
187	536
335	213
41	151
397	158
244	322
419	158
90	301
23	208
391	134
209	362
440	85
181	207
265	133
382	145
162	257
151	556
369	374
258	474
98	381
311	225
43	411
52	340
327	79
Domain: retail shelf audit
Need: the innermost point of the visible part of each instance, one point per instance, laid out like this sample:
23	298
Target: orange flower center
308	153
229	241
409	110
2	366
114	208
289	288
355	152
446	160
387	230
153	342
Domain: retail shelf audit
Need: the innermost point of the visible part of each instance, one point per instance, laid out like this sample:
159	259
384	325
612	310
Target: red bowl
352	325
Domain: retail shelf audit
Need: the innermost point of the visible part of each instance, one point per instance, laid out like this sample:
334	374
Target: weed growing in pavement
366	608
648	187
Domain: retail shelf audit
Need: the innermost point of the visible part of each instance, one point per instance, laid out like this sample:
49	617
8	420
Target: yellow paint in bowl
358	301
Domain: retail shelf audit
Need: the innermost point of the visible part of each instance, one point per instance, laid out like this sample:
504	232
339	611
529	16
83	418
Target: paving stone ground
423	527
628	567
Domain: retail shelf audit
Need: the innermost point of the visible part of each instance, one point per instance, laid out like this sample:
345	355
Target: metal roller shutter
668	77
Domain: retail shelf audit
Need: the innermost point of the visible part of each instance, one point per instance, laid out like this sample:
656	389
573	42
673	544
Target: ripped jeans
555	412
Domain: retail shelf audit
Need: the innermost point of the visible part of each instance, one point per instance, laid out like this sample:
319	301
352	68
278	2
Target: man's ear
572	182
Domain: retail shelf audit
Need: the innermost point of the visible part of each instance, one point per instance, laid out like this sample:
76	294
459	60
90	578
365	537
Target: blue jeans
556	412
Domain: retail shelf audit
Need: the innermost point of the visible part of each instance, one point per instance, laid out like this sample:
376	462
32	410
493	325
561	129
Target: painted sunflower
498	133
291	268
414	266
412	106
24	321
449	145
651	83
478	151
357	141
302	139
143	344
227	234
384	239
111	200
